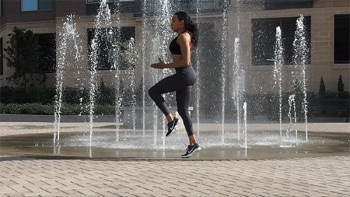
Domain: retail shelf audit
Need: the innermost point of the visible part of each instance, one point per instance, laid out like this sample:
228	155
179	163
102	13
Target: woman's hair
190	26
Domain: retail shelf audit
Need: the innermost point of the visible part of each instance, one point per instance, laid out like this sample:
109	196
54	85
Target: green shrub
104	109
344	95
12	108
27	108
6	94
105	95
341	92
70	109
49	109
340	85
2	106
73	95
322	89
22	95
330	95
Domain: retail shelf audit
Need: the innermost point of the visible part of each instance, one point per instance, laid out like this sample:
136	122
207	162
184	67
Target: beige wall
260	78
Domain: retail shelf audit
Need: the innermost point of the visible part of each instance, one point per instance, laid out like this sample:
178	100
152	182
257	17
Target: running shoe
191	149
171	126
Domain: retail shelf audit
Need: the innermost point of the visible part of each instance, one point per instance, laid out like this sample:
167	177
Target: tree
23	55
322	90
340	86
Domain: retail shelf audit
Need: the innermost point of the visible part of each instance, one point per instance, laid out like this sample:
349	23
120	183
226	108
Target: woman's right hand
156	65
159	65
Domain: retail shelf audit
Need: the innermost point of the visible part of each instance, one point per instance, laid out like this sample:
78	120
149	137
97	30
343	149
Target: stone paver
320	176
328	176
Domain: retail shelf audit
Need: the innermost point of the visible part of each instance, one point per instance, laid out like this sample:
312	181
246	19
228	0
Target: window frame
339	44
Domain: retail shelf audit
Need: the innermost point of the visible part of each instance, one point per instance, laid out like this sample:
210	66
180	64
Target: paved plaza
309	176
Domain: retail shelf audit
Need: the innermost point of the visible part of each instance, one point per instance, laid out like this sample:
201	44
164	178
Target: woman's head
181	20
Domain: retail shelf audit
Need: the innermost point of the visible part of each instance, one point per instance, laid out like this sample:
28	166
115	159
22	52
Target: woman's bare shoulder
184	37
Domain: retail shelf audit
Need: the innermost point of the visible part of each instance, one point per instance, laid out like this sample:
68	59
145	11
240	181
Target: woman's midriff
176	58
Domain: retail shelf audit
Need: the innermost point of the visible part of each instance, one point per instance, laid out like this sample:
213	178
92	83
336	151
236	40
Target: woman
182	80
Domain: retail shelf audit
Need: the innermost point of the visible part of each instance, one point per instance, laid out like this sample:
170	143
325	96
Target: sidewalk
318	176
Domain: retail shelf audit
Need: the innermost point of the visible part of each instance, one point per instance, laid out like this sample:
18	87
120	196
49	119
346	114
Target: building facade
253	22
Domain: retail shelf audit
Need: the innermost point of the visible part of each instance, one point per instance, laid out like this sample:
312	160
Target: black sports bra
174	47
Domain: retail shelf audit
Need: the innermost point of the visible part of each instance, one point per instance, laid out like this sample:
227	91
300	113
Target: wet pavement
260	145
162	173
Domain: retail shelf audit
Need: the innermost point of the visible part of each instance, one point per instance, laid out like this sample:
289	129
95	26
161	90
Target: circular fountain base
129	145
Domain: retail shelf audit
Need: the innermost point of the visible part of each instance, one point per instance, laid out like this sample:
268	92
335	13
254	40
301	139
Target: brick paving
318	176
328	176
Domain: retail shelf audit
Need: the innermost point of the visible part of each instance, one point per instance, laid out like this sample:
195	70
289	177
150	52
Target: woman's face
176	24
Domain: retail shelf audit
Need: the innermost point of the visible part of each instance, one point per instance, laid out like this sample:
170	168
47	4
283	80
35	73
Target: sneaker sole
189	155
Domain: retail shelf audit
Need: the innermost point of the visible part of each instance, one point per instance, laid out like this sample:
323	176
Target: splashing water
198	64
157	32
277	71
69	45
292	114
144	63
238	72
300	57
155	38
245	131
102	24
238	83
224	60
132	57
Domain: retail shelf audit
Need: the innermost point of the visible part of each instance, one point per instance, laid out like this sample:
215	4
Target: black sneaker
191	149
171	126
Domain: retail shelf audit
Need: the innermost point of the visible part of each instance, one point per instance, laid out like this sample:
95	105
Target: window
36	5
342	39
47	48
105	51
264	38
2	58
287	4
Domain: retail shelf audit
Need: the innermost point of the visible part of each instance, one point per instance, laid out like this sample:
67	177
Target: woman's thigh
170	84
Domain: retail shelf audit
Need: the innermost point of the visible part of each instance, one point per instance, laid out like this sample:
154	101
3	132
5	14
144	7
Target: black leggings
181	82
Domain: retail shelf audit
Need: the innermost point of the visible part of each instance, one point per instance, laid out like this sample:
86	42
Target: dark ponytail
190	26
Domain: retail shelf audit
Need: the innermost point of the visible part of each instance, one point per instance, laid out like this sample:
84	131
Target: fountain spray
245	126
292	114
69	40
102	21
224	48
277	71
299	58
198	63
